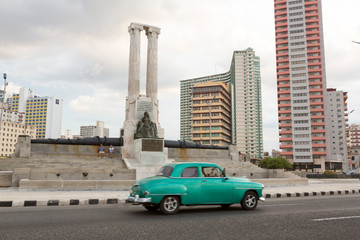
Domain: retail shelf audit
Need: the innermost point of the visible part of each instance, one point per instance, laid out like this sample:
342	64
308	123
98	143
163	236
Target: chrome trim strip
247	188
160	194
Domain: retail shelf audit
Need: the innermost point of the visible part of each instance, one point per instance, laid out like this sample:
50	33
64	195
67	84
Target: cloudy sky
78	50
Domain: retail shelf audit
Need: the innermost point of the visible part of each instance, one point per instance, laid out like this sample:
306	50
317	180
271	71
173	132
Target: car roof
192	164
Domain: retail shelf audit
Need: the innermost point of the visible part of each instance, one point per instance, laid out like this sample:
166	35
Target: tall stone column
134	68
152	34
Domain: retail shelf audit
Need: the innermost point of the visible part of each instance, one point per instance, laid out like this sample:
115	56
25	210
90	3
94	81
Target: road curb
312	194
56	202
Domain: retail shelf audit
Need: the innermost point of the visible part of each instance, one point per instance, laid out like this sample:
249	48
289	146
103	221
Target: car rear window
190	172
165	171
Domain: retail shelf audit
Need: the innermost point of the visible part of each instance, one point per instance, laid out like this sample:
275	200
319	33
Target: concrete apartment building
305	113
11	126
9	115
211	113
353	141
9	134
46	114
246	107
354	136
336	147
94	131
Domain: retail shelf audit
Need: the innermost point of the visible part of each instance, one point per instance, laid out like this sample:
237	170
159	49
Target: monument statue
146	128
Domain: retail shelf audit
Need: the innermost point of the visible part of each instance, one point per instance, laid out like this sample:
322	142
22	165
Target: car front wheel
170	205
249	201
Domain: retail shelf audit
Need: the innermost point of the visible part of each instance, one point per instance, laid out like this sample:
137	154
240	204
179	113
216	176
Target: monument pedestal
150	152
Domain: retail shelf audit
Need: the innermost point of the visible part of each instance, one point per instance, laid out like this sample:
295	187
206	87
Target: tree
275	163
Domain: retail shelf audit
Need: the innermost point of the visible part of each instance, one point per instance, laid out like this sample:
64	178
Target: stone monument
142	133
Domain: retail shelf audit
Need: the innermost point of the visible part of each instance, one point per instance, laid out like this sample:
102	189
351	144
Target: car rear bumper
262	199
137	199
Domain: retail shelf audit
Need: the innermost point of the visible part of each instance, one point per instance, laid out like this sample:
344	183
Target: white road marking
335	218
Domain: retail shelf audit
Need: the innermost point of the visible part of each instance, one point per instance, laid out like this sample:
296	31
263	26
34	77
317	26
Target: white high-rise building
46	114
18	102
246	106
336	147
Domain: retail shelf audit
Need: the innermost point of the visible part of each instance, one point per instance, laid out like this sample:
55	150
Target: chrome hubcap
250	201
170	204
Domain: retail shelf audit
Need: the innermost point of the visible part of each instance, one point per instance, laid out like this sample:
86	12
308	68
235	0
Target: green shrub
275	163
329	172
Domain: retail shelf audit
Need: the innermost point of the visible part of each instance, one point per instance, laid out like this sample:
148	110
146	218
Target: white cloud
78	50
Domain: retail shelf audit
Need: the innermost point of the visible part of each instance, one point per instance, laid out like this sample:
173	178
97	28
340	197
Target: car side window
190	172
212	172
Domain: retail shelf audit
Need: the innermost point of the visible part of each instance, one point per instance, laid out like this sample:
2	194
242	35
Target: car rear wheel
249	201
170	205
152	208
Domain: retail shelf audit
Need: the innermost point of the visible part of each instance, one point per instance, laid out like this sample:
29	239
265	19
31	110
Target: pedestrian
111	151
101	151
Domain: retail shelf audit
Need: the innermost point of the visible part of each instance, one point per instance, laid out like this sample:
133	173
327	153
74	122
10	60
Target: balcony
316	103
285	139
318	138
285	125
284	111
286	146
316	97
315	83
317	110
284	99
318	124
284	92
317	117
315	90
319	153
284	118
285	132
319	145
283	85
286	153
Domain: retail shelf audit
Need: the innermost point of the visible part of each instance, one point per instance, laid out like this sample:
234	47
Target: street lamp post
3	102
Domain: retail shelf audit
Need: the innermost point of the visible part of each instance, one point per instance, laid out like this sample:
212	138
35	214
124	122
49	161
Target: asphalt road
334	217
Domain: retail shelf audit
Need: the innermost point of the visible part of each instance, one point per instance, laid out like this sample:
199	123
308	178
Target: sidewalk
316	187
13	197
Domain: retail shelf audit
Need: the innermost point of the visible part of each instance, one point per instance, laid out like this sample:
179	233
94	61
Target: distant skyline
78	50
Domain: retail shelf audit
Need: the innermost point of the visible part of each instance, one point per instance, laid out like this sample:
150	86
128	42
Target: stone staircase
68	167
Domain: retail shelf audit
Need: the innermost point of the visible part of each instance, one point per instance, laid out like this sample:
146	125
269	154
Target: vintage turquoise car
197	183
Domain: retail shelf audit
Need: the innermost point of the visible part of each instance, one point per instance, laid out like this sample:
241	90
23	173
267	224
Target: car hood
239	179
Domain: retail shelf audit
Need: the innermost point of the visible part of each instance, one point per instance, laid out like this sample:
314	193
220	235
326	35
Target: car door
215	188
190	178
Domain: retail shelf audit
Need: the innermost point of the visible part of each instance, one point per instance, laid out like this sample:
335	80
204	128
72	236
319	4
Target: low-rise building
94	131
9	133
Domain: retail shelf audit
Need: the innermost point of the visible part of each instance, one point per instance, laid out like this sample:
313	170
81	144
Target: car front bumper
262	199
136	199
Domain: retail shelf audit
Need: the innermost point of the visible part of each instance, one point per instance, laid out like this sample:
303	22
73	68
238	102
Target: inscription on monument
144	106
152	145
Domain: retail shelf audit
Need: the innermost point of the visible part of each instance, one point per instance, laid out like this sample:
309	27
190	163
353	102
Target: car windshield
165	171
